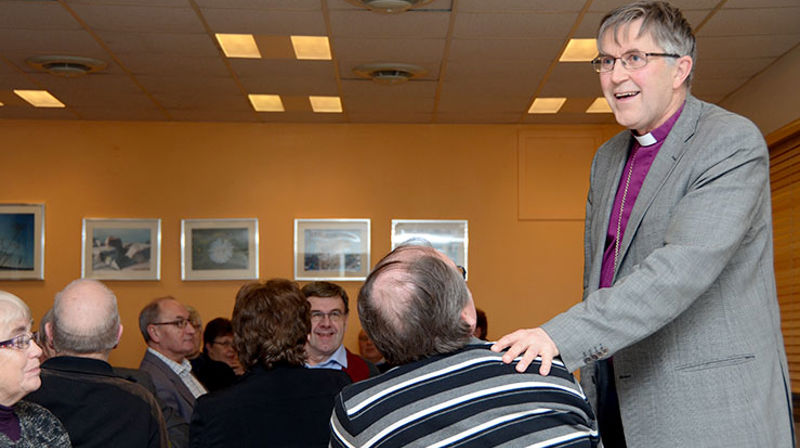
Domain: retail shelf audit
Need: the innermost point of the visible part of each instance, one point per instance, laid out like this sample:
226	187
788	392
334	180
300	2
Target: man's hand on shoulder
531	343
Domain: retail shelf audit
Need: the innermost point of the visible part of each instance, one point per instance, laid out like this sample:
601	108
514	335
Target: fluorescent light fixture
546	105
599	106
579	50
266	103
238	45
1	104
326	104
311	47
39	98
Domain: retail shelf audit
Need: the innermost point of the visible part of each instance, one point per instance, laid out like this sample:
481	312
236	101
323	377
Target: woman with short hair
22	424
278	402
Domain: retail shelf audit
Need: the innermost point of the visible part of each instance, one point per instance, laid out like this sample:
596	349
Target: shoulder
40	426
711	125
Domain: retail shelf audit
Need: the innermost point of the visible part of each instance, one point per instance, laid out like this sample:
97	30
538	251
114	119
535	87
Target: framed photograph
331	249
219	249
121	249
451	236
21	241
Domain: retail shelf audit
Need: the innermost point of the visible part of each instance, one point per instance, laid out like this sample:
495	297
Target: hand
534	342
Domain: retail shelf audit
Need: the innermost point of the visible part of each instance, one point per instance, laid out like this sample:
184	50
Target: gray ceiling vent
389	72
66	66
389	6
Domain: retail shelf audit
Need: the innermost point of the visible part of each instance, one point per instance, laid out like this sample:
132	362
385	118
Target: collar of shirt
660	133
180	369
338	360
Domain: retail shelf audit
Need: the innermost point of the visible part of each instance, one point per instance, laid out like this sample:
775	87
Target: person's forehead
628	36
14	328
173	309
326	303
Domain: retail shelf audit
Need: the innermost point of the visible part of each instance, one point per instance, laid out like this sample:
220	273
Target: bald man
98	408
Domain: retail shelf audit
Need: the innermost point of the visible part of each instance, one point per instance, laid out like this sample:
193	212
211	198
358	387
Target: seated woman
218	364
278	402
22	424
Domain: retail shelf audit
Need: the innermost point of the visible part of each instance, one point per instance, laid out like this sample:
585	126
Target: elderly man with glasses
324	349
169	335
679	285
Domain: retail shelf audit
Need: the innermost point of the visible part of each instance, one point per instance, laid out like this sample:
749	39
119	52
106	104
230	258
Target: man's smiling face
327	328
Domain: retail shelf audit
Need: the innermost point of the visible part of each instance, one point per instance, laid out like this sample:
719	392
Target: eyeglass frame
597	65
341	316
224	344
179	323
13	343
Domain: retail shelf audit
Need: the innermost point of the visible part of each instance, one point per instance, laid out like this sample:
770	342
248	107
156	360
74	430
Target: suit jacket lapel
666	160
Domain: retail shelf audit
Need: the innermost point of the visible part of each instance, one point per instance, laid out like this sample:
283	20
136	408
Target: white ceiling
486	59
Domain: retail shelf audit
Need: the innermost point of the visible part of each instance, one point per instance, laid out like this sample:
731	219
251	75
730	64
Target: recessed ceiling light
546	105
39	98
389	73
238	45
326	104
66	66
579	50
266	103
599	106
390	6
311	48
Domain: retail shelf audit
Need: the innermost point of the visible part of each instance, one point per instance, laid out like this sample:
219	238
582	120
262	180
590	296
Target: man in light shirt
324	349
169	335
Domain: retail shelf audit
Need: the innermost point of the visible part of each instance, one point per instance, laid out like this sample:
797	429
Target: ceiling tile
139	18
363	23
431	68
116	113
523	72
505	49
591	22
520	5
395	50
214	85
36	16
286	5
731	68
410	89
456	102
359	104
764	21
730	47
714	87
173	65
477	117
270	68
160	43
291	85
605	6
260	21
572	79
391	117
510	25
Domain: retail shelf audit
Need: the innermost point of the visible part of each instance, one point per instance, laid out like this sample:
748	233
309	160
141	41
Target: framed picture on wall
21	241
121	249
331	249
219	249
450	236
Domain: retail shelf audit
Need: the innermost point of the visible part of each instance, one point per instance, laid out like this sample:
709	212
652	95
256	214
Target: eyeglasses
180	323
223	343
463	271
19	342
334	316
632	60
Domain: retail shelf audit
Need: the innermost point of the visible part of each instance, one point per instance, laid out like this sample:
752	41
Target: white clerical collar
646	139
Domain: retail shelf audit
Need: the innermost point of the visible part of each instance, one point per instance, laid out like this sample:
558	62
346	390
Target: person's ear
152	331
683	67
48	333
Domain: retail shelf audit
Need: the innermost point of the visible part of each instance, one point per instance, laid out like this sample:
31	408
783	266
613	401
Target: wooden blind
784	149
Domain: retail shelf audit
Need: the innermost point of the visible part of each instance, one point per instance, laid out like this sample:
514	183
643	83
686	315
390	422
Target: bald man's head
85	319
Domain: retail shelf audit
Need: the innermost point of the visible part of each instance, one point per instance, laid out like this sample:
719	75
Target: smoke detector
389	6
66	66
389	73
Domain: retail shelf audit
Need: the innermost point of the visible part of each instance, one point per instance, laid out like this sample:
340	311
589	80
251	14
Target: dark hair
214	329
150	313
411	304
663	21
480	322
271	321
327	289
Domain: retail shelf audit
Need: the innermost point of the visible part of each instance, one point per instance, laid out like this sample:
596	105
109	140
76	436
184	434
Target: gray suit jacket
169	386
692	319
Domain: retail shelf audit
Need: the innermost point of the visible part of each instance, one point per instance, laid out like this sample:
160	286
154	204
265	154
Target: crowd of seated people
276	374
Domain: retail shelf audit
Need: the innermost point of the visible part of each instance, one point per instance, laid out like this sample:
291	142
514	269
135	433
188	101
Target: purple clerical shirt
641	156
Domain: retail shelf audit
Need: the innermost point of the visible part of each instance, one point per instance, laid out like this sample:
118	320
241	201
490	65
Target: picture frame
331	249
219	249
121	248
450	236
21	241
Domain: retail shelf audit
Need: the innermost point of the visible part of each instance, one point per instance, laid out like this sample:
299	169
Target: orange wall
522	272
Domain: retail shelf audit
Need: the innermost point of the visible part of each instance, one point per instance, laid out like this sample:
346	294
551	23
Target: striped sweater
465	398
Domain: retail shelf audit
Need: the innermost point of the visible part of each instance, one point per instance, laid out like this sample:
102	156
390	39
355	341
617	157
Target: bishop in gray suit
678	335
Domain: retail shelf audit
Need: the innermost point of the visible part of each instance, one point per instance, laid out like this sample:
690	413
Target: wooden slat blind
784	155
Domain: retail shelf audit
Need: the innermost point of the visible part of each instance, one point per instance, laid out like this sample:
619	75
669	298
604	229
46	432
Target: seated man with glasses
324	349
169	335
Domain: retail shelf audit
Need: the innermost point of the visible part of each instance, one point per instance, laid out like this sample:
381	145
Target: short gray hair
73	333
13	308
150	314
665	22
411	305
